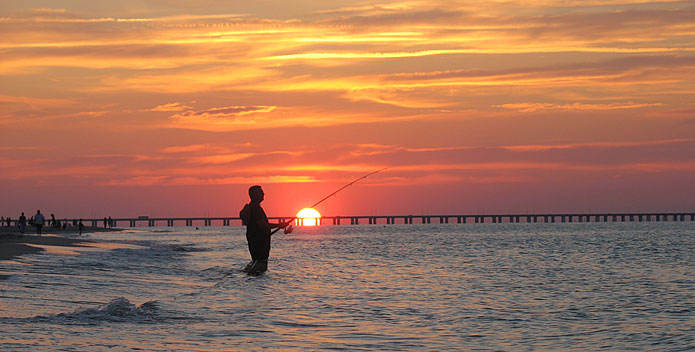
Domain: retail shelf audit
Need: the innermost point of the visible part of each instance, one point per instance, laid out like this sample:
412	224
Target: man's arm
262	220
269	225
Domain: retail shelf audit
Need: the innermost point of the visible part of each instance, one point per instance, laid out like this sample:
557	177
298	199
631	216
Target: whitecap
118	310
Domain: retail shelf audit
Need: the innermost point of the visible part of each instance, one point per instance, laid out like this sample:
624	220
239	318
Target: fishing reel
289	229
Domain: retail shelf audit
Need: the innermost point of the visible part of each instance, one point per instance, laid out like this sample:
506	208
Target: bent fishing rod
334	193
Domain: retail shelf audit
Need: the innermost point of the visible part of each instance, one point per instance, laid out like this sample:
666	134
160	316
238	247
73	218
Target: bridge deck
403	219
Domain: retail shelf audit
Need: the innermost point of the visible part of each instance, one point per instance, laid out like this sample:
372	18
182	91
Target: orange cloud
171	107
187	181
220	118
532	107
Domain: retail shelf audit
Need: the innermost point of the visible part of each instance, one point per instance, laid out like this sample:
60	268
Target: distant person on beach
38	222
9	222
53	220
110	222
81	227
105	222
257	231
22	224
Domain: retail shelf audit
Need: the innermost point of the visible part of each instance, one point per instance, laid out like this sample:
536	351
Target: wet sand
13	245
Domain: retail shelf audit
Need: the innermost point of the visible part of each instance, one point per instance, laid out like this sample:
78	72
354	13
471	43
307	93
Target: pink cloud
186	148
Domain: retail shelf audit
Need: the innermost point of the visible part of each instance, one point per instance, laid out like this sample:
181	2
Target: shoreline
47	230
13	245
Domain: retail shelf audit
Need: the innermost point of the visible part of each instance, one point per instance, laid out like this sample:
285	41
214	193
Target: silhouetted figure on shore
105	222
110	222
53	221
9	222
257	231
38	222
81	227
22	224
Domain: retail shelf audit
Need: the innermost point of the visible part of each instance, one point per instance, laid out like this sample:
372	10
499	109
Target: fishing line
334	193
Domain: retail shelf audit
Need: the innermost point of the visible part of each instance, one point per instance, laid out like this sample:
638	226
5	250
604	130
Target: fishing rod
319	202
334	193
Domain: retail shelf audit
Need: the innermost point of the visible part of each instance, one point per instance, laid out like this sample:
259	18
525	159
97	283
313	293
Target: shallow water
588	286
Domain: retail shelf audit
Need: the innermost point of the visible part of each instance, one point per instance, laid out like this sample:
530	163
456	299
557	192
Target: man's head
38	212
256	193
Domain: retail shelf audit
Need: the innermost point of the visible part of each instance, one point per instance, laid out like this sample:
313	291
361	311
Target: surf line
334	193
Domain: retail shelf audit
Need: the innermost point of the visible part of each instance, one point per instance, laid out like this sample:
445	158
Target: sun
308	217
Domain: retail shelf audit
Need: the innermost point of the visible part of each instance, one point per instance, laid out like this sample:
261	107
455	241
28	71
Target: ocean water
454	287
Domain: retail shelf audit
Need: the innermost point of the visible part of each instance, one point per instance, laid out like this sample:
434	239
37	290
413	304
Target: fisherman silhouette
257	231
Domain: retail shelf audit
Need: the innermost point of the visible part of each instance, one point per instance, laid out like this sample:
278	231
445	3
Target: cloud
17	148
604	145
186	148
224	158
625	24
532	107
600	68
219	118
50	10
138	181
61	16
171	107
192	180
395	97
230	111
35	102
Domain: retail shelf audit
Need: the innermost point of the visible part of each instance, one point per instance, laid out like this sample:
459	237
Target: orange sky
174	108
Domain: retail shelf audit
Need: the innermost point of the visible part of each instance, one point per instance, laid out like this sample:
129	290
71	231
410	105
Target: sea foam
118	310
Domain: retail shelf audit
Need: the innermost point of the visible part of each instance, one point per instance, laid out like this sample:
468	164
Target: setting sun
308	217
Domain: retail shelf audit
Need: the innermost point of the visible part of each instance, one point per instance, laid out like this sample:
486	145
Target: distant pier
143	221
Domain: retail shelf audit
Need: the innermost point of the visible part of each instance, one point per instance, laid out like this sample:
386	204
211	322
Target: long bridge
403	219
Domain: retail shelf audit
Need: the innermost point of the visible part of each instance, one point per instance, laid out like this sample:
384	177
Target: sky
175	108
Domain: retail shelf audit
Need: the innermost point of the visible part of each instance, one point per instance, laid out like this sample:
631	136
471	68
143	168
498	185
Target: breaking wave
118	310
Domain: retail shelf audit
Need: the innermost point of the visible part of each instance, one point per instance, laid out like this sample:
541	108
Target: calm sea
579	286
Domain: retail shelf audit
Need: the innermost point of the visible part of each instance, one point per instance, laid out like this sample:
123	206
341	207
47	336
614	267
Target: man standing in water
257	231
